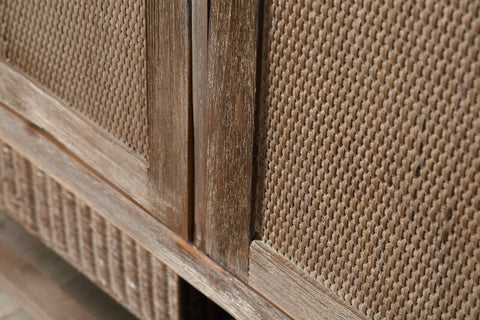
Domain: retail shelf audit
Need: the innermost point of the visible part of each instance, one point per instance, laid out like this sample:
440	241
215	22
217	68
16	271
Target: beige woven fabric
89	53
67	224
369	148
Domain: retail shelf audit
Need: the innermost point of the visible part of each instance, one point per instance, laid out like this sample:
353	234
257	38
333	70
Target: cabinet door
108	80
364	162
368	175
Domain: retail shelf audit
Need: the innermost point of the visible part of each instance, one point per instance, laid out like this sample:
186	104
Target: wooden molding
293	290
188	262
82	137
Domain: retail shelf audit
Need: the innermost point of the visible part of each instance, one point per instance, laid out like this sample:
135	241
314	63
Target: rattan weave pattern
91	54
369	148
64	222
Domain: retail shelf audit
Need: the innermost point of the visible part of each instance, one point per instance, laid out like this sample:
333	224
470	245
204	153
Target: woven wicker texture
369	141
64	222
91	54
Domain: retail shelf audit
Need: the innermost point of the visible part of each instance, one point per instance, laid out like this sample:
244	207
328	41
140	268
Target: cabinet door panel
93	75
368	180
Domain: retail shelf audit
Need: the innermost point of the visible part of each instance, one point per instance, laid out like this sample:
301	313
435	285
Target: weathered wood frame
224	68
169	119
195	267
161	185
201	96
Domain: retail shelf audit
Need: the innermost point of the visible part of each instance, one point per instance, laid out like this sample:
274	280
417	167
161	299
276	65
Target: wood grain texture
229	133
168	103
292	289
38	293
191	264
199	101
79	135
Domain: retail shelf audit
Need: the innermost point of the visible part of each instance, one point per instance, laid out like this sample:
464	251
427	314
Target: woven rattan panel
89	53
68	225
369	146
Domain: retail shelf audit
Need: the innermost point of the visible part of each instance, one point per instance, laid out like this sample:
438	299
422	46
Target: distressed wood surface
199	100
168	103
188	262
293	290
79	135
39	294
224	221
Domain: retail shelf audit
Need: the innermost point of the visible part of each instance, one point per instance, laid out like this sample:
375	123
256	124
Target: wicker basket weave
66	223
370	151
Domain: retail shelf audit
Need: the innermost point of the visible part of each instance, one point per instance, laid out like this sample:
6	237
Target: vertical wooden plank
71	223
199	101
26	203
168	103
174	292
229	131
9	181
160	286
145	270
57	217
41	204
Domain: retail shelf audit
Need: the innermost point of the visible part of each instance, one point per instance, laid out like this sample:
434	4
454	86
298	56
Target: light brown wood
38	293
168	104
85	139
188	262
229	129
199	101
292	289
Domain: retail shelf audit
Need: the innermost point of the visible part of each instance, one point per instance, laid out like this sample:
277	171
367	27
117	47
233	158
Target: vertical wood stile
168	104
224	128
200	100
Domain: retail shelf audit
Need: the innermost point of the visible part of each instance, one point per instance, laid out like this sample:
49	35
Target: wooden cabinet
306	160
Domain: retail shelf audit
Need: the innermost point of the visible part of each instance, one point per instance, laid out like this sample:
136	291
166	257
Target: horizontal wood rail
236	297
